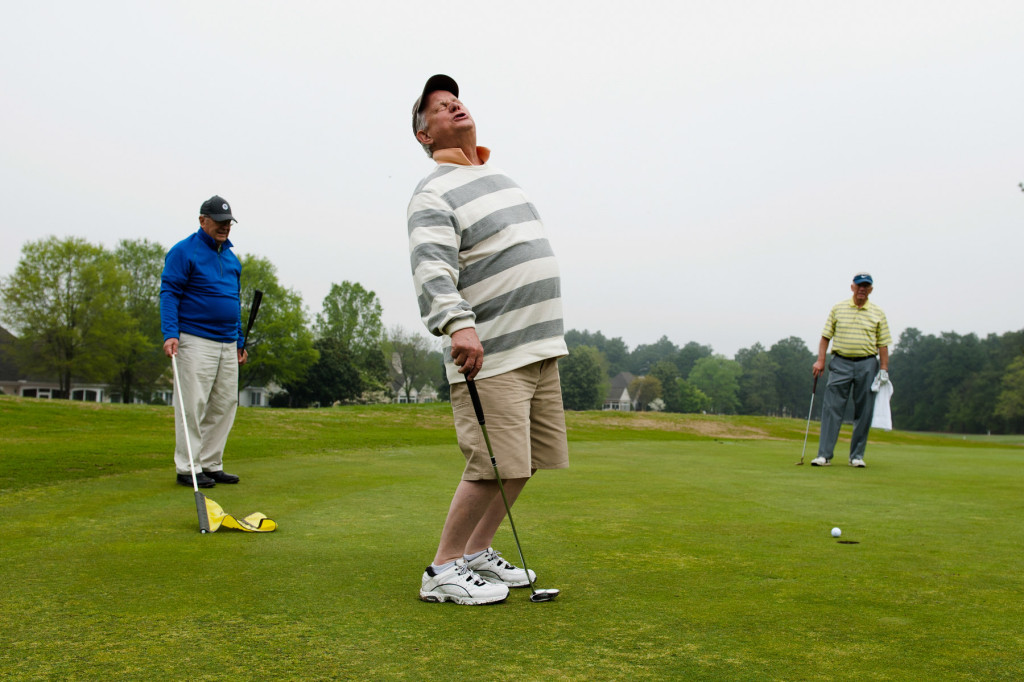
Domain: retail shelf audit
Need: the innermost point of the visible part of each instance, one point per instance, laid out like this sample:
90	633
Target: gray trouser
209	386
846	377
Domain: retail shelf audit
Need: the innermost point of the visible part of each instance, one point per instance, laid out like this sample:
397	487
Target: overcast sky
713	172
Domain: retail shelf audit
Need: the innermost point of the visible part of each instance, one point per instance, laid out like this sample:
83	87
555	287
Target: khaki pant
209	386
524	417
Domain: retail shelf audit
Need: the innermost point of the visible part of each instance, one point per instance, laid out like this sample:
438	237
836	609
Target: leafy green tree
793	380
646	356
908	370
1002	352
691	399
688	356
951	382
645	390
758	393
930	374
414	360
1010	405
334	377
352	315
444	389
373	370
718	378
8	362
664	371
961	357
615	352
280	345
584	381
973	406
138	352
667	375
65	300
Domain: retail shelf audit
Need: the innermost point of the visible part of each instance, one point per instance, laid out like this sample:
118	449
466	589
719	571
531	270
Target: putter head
544	595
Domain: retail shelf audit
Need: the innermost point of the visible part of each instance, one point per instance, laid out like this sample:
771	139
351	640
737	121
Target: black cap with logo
216	208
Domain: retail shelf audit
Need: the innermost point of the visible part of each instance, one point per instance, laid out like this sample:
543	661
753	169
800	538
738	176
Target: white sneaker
492	568
460	585
857	463
820	462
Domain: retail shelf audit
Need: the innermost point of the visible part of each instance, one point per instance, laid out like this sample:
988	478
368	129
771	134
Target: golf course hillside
685	547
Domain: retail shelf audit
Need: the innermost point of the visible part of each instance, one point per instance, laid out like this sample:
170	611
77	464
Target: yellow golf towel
253	523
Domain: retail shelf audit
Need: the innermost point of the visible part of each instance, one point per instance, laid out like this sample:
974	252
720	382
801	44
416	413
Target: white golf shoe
820	462
460	585
858	462
492	568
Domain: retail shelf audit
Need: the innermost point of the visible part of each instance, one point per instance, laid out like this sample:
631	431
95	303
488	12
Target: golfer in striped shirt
487	282
859	334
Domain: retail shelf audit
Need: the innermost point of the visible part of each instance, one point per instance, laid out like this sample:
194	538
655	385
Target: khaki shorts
524	418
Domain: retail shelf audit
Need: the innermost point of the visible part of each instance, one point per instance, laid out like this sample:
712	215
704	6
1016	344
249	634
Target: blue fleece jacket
200	291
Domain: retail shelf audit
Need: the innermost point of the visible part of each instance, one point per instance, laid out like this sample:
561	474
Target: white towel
882	417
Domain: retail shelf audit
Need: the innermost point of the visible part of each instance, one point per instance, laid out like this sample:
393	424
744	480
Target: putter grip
471	385
814	388
254	309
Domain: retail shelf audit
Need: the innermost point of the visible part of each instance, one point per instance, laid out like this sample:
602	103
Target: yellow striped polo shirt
856	332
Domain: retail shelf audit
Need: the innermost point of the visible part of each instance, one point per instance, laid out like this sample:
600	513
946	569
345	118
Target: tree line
83	313
950	382
772	381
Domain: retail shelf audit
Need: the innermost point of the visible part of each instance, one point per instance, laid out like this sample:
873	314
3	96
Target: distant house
425	394
15	381
255	396
618	395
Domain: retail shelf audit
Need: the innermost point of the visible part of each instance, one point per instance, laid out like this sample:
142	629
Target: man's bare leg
469	504
476	512
483	534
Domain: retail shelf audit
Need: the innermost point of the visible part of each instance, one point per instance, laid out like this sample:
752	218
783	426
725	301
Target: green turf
679	555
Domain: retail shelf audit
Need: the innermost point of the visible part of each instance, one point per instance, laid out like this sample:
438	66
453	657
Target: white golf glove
883	377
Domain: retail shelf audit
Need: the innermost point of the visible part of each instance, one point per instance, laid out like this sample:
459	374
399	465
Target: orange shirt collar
457	156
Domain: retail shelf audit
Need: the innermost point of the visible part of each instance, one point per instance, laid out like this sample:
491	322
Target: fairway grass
685	548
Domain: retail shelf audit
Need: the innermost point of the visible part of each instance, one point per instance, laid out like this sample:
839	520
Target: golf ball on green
836	532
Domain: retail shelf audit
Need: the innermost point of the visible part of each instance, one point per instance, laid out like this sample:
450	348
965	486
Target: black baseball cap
217	208
434	83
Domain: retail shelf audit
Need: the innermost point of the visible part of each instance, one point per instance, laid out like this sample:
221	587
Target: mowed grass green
685	548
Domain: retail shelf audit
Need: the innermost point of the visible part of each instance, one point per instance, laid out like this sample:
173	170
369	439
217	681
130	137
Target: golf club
535	594
257	298
204	519
814	390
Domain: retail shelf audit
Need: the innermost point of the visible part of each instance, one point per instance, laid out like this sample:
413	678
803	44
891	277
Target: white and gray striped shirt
480	257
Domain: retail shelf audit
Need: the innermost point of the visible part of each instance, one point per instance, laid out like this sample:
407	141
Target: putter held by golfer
535	594
204	519
814	389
